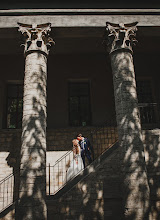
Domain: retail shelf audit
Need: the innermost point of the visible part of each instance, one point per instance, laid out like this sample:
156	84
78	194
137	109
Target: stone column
135	190
32	190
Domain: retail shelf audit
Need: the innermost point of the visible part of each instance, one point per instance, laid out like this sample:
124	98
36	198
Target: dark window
79	104
14	105
147	106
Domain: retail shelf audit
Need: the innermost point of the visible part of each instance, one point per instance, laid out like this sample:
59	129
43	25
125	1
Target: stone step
83	197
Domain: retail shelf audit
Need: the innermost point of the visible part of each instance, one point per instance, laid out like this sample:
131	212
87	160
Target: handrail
8	191
60	169
11	174
102	138
63	156
7	177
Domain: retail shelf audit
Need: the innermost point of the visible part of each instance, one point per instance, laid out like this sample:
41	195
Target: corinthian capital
121	36
36	37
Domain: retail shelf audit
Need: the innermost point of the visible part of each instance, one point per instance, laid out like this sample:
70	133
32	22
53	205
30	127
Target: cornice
18	12
79	17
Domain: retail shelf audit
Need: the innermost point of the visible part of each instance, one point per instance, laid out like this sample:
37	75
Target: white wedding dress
76	166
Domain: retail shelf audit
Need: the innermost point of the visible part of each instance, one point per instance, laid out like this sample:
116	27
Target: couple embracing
81	149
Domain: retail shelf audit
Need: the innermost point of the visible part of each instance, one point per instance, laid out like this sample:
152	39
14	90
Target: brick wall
9	151
58	142
151	139
99	194
96	196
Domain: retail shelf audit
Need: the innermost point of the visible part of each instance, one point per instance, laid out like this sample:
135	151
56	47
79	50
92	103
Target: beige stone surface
65	18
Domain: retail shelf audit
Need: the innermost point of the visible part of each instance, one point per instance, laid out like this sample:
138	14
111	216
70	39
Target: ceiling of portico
79	40
78	4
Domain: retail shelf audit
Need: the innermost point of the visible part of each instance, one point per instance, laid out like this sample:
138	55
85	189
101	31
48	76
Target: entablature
79	17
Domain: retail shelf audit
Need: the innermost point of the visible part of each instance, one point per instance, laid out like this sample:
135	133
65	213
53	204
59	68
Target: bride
76	164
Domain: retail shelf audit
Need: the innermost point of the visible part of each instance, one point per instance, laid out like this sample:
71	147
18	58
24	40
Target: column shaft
33	151
135	186
135	190
32	193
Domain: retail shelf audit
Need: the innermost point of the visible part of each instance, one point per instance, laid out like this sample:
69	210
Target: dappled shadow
101	139
133	170
13	160
94	195
9	171
152	154
129	179
33	151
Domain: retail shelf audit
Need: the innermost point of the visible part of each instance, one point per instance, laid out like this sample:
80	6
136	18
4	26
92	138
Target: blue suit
86	150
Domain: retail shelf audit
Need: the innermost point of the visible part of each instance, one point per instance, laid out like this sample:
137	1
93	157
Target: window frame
154	101
80	81
12	83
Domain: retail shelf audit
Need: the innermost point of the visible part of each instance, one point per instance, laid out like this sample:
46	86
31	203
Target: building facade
65	71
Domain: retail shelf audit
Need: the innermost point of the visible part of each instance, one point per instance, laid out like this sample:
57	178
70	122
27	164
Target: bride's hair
75	146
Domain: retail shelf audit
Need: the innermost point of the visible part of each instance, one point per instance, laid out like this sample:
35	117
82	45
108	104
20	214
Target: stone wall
151	140
1	102
58	142
99	194
9	215
9	157
9	151
96	196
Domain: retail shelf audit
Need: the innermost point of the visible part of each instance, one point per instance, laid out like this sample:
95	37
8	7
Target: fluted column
135	190
32	190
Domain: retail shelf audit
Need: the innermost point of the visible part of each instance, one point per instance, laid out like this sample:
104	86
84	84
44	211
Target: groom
86	149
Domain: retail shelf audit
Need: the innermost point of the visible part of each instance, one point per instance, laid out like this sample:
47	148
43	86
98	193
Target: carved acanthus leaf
36	37
120	36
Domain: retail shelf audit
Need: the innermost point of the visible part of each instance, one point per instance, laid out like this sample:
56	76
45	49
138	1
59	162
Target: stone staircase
87	188
93	194
96	194
102	138
8	213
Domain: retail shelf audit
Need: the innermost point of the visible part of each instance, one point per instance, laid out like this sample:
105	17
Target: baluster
4	194
58	175
11	193
65	170
49	173
54	179
7	191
